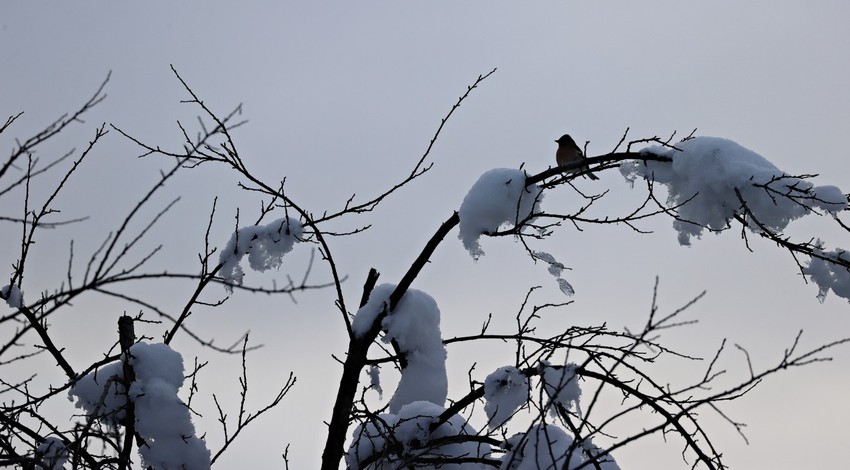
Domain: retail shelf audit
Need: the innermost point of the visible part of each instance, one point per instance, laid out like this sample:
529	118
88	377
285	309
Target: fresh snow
14	297
498	198
410	428
703	178
604	462
829	276
544	446
52	454
100	394
265	246
162	419
560	383
415	327
704	181
505	391
379	299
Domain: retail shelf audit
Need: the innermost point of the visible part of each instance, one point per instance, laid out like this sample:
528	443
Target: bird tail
588	174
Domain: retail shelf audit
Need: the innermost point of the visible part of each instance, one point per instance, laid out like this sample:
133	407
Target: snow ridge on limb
707	171
712	181
499	197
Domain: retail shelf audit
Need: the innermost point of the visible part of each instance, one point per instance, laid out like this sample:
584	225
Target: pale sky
343	98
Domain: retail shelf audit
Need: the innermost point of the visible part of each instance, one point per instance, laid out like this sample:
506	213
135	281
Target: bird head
566	140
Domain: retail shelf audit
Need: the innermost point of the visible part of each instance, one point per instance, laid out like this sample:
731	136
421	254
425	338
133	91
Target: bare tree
531	408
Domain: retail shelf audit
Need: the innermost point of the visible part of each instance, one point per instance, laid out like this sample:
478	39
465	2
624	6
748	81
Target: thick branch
359	346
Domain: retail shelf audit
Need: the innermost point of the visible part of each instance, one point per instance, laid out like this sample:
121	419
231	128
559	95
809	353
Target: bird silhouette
569	152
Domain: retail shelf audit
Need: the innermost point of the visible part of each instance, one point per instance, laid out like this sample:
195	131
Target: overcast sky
343	97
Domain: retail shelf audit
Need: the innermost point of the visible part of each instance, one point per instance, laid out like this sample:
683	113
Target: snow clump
265	246
543	446
561	383
52	453
703	178
499	197
415	327
505	390
829	276
162	419
550	447
13	295
408	432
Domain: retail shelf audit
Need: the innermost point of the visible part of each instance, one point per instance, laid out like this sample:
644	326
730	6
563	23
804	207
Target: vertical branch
358	347
126	337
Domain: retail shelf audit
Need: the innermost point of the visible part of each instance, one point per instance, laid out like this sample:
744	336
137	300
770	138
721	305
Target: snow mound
499	197
52	454
415	327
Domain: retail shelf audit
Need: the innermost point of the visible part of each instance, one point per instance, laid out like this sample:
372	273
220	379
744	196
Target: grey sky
343	97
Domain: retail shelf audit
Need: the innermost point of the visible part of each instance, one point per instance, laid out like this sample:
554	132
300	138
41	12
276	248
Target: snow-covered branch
548	403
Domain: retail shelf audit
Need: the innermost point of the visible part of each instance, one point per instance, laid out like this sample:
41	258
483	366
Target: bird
569	152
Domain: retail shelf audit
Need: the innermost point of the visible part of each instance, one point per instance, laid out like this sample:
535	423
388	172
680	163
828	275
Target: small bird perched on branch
569	152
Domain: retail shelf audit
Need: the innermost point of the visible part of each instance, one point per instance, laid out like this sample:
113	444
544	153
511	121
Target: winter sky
343	98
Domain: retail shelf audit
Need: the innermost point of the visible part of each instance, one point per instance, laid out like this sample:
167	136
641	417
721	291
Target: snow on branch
499	197
543	446
162	419
505	391
390	440
414	325
707	171
265	246
827	269
52	454
13	296
560	383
